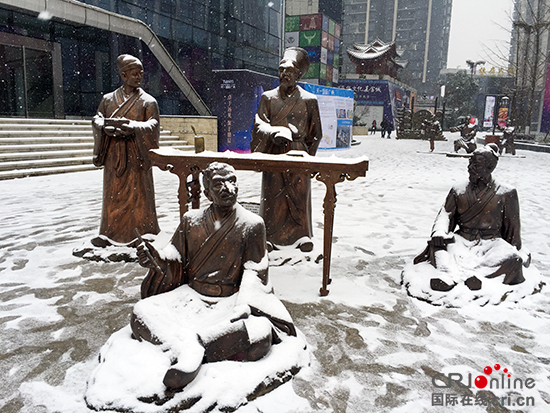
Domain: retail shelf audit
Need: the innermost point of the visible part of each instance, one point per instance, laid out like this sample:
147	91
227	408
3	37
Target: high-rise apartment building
420	29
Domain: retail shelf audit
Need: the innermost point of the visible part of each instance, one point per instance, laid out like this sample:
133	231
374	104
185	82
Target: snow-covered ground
373	348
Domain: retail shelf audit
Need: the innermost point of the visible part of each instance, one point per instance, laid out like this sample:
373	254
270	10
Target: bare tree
529	57
526	57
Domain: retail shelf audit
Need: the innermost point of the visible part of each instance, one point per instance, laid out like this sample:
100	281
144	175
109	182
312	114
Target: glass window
39	83
12	82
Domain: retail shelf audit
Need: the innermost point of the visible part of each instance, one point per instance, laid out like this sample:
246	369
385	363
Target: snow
371	346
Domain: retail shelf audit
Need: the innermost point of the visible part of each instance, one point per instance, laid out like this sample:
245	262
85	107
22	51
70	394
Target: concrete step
23	173
30	160
33	147
43	133
30	156
38	121
40	127
42	163
46	147
44	140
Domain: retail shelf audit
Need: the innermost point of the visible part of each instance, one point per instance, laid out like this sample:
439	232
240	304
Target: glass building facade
52	68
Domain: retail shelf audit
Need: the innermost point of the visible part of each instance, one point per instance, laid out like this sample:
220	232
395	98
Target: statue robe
215	269
128	191
285	203
212	258
488	224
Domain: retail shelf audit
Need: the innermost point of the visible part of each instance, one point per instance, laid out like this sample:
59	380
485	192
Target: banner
489	111
336	109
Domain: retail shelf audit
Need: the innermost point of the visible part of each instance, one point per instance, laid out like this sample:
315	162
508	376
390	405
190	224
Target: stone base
417	280
129	377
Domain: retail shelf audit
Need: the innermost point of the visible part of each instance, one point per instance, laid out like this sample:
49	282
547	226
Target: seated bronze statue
215	272
467	136
476	234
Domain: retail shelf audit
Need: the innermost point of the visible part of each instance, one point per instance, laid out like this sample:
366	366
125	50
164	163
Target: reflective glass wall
200	35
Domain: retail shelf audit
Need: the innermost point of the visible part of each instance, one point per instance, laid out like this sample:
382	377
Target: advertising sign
489	111
336	108
235	97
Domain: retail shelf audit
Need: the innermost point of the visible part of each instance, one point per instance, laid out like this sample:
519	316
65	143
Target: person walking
373	127
384	125
389	128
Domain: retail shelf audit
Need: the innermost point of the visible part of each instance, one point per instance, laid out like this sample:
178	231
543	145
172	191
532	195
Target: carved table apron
330	171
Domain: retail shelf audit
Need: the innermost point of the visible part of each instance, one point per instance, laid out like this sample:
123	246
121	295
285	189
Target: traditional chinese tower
376	58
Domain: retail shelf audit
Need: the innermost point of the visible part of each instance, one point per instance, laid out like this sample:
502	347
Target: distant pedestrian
389	128
373	127
384	125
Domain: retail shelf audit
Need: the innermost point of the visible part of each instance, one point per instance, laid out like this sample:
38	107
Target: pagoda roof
373	50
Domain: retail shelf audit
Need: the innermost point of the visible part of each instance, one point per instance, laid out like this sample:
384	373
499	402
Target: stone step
23	173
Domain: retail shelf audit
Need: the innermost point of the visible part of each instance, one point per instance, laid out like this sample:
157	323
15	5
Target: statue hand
442	241
110	130
281	135
127	128
148	256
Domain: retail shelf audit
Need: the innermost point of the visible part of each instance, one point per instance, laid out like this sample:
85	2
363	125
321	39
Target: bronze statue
217	265
431	129
467	136
507	143
287	119
125	128
480	220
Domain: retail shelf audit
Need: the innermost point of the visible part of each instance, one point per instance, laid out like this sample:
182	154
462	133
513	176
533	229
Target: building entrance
29	84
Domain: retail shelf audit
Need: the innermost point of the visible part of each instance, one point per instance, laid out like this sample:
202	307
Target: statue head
293	65
130	69
220	184
483	162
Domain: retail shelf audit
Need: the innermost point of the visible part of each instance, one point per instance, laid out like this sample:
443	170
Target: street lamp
473	65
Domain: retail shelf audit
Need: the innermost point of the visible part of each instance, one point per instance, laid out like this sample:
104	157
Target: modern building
319	35
316	25
420	29
58	56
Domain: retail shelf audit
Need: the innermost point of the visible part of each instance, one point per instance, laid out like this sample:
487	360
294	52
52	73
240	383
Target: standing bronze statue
431	129
125	127
216	267
288	119
476	234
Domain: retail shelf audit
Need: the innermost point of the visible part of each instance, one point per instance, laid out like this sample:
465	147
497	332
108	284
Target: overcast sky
476	26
